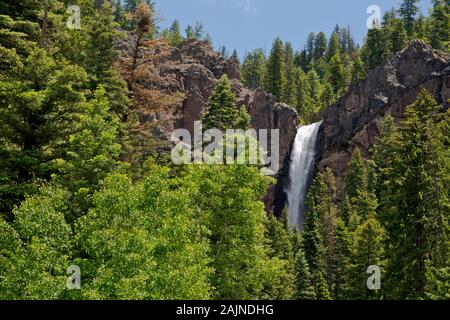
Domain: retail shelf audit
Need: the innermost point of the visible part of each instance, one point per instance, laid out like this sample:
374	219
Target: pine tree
280	247
304	280
440	25
334	46
310	43
414	198
221	111
276	70
321	288
398	36
312	243
38	119
356	177
175	37
408	11
341	254
289	94
328	96
253	69
367	251
92	153
101	54
358	70
376	47
337	75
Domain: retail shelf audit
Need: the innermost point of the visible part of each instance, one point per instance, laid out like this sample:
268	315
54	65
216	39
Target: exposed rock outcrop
194	68
355	120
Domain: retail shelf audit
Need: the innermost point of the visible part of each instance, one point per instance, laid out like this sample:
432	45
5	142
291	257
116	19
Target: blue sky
248	24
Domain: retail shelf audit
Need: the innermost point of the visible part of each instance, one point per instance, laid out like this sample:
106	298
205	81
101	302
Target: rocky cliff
193	68
355	120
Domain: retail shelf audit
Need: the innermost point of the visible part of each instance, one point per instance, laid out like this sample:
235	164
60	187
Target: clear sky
248	24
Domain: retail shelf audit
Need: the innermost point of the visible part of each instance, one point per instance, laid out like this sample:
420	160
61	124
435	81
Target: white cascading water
300	172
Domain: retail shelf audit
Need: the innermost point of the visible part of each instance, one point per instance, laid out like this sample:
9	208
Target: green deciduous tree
35	251
157	241
440	25
337	75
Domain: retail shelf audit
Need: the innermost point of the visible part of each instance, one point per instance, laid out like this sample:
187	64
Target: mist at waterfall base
301	169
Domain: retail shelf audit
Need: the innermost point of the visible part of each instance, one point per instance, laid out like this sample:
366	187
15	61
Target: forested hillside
87	183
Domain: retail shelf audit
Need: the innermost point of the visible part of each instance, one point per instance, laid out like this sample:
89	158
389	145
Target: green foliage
342	257
367	251
375	47
358	70
356	177
414	198
42	97
408	11
322	292
304	280
337	75
440	25
253	69
92	153
280	246
221	111
230	195
276	70
100	53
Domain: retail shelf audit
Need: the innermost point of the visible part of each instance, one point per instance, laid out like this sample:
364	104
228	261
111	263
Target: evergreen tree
375	47
221	111
328	96
358	70
276	70
398	36
304	280
341	254
337	75
334	46
289	94
175	37
414	199
440	25
367	251
101	53
408	11
280	247
253	69
310	43
92	153
37	122
356	178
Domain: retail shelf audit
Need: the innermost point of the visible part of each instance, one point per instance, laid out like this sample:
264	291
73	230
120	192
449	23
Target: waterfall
301	170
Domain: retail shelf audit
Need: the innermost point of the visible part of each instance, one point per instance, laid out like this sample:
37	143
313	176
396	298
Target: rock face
194	68
355	120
